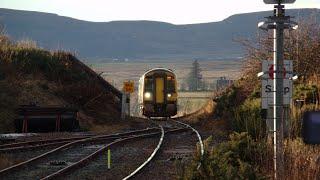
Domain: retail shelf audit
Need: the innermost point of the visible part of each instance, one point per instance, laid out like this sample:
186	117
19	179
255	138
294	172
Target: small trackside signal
128	86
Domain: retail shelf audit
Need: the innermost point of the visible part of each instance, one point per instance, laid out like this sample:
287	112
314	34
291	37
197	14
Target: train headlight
169	95
147	95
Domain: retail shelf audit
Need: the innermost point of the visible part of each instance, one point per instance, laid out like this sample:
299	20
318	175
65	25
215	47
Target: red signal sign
271	72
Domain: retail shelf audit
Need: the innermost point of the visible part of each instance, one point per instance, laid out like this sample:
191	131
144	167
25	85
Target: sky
172	11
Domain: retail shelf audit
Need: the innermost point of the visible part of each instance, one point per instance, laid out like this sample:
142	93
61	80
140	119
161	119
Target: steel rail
150	157
19	144
24	163
199	139
31	147
87	159
22	148
41	143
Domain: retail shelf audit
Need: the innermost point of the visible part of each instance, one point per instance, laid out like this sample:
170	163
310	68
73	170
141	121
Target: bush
306	92
226	101
247	118
234	159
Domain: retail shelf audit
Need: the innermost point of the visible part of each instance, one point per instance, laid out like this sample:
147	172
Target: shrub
226	101
309	93
247	118
234	159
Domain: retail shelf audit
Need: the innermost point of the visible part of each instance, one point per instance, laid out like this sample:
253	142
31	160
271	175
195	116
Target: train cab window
148	84
170	84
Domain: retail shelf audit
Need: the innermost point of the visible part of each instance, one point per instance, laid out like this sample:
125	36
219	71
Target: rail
150	157
90	139
199	139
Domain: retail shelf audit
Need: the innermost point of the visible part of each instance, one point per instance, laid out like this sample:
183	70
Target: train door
159	90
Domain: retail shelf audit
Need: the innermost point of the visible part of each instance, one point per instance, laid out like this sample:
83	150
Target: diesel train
158	93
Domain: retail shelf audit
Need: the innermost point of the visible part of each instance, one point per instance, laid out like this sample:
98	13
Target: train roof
157	69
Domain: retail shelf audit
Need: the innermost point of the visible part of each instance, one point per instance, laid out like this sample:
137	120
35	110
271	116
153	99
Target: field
117	72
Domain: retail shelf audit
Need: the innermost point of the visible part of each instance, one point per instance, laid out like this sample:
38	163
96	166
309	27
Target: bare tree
302	46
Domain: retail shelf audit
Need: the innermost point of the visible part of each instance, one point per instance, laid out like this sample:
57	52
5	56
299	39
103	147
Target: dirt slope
33	75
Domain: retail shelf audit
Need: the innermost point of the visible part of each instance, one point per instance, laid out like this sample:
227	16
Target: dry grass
204	113
6	161
302	161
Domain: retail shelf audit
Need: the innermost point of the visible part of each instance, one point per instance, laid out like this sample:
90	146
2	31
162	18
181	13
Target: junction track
73	155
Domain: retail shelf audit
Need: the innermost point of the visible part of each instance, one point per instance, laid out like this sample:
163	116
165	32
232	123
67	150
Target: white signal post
278	22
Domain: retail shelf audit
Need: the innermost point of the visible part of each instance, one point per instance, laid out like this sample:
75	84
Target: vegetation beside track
240	106
29	74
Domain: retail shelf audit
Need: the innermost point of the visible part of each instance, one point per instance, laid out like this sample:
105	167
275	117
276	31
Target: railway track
100	138
106	141
104	148
31	145
199	140
149	173
169	125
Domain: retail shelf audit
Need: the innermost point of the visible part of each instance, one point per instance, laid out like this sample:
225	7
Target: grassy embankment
248	154
31	74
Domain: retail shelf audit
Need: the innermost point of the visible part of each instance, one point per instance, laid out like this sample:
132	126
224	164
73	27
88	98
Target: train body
158	93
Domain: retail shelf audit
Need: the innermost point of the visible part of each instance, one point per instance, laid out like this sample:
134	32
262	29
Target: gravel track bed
125	158
20	156
176	147
45	167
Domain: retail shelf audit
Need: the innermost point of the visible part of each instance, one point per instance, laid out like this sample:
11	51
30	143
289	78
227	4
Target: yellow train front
158	93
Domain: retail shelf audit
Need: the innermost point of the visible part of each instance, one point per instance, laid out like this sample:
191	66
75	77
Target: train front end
158	93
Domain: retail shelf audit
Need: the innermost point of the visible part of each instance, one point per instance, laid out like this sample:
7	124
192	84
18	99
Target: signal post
278	23
128	88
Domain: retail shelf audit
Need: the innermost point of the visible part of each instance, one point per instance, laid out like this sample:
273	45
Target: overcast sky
172	11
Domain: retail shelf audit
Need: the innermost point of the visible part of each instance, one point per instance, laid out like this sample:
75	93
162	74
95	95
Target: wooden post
128	103
25	124
58	120
123	106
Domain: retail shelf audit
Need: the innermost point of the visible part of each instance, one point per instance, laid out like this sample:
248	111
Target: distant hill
137	39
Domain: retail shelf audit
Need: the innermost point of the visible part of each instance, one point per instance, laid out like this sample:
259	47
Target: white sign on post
268	80
277	1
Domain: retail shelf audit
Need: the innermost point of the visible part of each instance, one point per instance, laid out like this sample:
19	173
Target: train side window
148	84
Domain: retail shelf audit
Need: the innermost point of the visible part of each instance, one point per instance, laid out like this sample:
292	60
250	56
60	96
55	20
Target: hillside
137	39
52	78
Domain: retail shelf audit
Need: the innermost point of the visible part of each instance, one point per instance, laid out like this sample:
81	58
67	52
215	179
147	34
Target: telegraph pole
278	22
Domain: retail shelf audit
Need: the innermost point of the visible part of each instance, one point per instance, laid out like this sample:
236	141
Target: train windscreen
170	84
148	84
